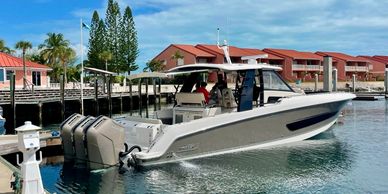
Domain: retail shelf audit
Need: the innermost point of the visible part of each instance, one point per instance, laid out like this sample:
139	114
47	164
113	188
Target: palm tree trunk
24	71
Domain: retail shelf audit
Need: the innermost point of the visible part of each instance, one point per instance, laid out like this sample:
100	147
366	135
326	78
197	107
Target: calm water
352	157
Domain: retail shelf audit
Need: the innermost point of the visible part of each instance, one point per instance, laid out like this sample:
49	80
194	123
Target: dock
6	171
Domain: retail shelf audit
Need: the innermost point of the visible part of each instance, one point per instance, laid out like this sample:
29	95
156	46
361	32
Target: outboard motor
104	140
67	129
80	141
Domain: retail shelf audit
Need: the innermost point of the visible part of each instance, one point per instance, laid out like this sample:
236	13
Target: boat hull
264	130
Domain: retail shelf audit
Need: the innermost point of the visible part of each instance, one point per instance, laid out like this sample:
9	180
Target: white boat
261	110
198	130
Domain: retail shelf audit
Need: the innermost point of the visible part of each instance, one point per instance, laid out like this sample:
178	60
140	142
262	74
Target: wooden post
160	91
354	83
40	105
121	104
97	108
62	94
130	98
140	100
13	102
139	93
154	88
147	96
110	96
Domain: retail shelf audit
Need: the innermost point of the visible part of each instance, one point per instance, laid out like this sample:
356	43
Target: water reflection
350	158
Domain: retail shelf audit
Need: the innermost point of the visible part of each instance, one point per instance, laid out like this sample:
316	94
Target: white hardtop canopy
204	67
147	75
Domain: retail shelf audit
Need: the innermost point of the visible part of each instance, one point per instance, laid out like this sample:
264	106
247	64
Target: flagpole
82	72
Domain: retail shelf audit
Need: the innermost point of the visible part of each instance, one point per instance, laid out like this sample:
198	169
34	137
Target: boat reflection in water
310	163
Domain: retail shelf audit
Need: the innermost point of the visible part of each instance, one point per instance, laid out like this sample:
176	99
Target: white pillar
327	72
386	80
335	79
354	82
28	143
316	82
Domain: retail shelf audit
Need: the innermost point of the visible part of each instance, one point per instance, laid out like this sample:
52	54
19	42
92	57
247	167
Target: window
1	74
272	81
9	73
36	78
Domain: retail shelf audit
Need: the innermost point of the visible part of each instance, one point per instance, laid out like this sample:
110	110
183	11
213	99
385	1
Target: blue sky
356	27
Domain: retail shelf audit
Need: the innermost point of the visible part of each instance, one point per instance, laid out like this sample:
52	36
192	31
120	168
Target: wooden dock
8	145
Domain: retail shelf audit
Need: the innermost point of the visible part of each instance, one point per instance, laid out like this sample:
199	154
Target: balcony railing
356	68
298	67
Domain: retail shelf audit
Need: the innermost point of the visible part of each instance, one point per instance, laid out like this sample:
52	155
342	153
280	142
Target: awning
100	71
147	75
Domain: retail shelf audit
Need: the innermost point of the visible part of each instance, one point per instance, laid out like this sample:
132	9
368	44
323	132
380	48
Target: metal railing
307	67
29	85
357	68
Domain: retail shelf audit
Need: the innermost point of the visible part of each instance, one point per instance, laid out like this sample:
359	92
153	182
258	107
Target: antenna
224	47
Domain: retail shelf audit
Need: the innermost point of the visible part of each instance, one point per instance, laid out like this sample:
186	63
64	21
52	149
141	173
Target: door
36	78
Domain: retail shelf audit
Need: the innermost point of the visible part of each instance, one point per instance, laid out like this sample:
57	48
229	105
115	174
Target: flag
85	26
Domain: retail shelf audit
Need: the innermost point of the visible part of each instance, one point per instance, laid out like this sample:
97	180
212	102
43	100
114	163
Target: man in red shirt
202	89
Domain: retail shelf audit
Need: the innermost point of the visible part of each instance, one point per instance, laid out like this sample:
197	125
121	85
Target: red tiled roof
372	60
383	59
193	50
343	56
233	51
260	52
7	60
296	54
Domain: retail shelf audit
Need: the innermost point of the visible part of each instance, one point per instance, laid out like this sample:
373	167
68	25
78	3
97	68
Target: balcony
299	67
357	68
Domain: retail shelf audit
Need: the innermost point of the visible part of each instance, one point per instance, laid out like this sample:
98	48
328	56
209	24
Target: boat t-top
259	110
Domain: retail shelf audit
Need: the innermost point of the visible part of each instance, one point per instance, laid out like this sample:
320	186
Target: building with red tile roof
376	68
383	59
298	64
36	73
348	65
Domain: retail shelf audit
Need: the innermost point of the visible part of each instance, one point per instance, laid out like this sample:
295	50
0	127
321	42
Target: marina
349	158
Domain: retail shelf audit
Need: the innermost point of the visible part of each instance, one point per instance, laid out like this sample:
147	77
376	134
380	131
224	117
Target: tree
4	48
52	50
96	41
154	65
105	56
112	22
176	56
24	45
128	40
67	56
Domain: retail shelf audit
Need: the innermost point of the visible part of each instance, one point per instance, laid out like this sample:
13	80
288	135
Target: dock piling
147	97
110	96
335	79
140	100
40	107
12	98
386	81
354	83
97	108
327	72
130	98
62	95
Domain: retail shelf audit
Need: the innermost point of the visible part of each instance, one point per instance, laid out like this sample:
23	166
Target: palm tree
176	56
67	55
154	65
52	50
5	49
105	56
24	45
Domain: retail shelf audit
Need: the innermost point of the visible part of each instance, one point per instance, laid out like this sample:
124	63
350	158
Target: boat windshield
272	81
